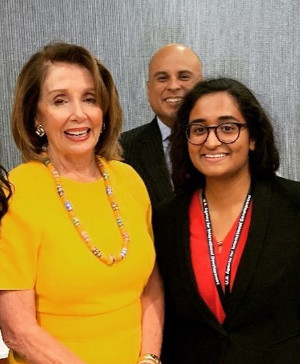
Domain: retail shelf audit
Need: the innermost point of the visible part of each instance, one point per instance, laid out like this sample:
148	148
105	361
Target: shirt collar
164	129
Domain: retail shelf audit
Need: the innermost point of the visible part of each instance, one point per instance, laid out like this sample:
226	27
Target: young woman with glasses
228	244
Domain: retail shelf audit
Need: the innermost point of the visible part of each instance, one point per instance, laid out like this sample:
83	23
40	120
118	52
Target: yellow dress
92	308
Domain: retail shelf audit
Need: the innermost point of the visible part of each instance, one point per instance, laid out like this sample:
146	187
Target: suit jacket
143	150
263	321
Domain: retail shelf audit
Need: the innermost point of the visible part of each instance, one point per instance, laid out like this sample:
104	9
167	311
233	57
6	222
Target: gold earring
39	130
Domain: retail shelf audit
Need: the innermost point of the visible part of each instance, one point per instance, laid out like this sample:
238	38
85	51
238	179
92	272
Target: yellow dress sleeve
19	236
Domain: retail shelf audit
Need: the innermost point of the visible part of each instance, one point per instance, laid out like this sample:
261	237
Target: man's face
173	71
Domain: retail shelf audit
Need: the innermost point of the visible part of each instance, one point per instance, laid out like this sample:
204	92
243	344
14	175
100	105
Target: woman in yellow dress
78	278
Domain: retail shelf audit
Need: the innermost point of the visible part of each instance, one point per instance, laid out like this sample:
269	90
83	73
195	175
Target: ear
252	144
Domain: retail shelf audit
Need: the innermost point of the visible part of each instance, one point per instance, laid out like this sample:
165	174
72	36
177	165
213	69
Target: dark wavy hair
5	192
263	161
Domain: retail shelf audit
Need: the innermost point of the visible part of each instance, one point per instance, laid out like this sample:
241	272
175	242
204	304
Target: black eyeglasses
226	133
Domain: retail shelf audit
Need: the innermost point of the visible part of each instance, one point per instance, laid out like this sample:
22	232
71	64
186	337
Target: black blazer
263	322
143	150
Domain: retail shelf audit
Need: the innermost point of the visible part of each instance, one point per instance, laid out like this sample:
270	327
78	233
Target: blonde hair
28	89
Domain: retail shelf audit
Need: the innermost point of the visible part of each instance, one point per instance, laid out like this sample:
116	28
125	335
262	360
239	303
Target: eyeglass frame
214	127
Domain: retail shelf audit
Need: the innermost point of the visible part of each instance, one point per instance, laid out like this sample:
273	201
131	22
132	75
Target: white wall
254	41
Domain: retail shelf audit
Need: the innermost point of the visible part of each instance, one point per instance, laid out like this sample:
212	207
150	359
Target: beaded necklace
108	259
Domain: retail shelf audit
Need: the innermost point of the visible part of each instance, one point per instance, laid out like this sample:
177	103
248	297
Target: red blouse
201	260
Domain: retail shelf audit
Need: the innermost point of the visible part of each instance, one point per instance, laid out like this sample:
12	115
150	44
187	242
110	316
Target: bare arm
153	314
22	333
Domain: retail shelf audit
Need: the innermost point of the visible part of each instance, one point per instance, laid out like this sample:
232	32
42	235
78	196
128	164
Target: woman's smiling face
215	159
68	110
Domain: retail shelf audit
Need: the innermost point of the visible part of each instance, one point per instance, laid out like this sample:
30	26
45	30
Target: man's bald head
173	50
173	71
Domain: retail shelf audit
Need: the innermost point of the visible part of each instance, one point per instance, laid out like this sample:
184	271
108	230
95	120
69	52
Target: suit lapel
253	248
155	167
185	269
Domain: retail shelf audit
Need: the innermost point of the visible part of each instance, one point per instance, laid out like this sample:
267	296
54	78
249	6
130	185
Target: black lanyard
223	295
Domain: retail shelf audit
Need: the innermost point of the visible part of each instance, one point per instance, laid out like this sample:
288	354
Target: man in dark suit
173	70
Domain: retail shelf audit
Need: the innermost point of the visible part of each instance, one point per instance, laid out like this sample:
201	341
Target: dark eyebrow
160	73
227	117
185	71
197	121
221	119
164	73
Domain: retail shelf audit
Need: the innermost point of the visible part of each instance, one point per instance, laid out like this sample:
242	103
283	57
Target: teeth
174	99
76	133
220	155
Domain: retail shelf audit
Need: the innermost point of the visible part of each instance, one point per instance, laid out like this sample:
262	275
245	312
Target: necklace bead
109	259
